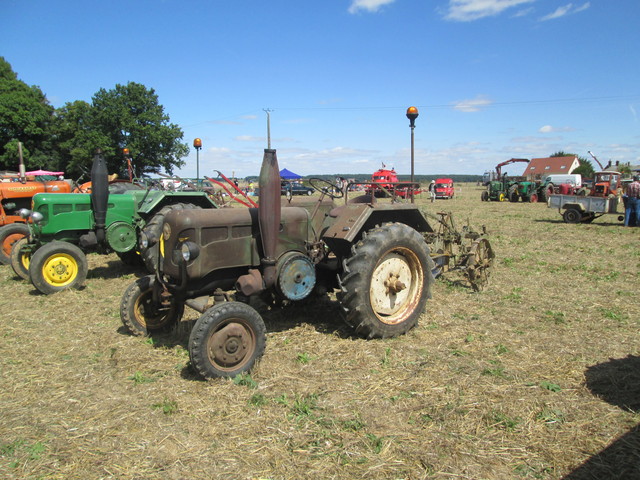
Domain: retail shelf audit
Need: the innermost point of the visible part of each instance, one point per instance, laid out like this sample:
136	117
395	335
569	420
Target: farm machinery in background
63	227
498	184
385	183
379	256
601	199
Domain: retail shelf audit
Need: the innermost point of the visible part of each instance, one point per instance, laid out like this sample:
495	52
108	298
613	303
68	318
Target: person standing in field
432	190
632	208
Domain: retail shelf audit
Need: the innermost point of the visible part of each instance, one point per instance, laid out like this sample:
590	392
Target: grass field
538	376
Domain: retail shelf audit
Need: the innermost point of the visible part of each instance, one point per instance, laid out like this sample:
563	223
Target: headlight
37	217
189	251
24	213
143	242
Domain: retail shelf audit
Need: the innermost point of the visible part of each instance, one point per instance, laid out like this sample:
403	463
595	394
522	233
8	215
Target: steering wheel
333	191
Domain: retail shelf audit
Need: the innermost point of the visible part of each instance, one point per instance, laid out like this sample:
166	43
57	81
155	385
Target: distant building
540	167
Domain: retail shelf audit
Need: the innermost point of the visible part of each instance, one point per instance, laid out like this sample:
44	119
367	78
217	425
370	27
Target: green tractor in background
527	191
63	228
497	190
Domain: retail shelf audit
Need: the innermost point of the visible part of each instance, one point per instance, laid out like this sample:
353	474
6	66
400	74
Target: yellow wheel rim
60	269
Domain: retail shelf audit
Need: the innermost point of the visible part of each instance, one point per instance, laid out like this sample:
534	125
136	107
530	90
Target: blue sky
492	79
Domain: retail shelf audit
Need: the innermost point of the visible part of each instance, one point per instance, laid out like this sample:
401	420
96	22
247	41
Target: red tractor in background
387	184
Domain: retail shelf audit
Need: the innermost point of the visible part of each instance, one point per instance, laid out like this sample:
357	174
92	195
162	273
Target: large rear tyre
57	266
141	316
20	260
227	340
386	281
153	230
9	235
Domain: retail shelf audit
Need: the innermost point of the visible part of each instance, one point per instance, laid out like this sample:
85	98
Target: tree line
66	138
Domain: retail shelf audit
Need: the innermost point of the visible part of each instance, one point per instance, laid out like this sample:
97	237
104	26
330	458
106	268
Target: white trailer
579	209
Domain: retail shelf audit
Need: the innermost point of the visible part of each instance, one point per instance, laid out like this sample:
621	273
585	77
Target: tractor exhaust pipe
99	194
269	213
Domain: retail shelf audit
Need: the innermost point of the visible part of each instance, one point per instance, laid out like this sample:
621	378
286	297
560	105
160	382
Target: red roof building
539	167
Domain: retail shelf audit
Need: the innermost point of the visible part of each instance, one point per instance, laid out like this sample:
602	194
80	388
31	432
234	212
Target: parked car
444	188
295	188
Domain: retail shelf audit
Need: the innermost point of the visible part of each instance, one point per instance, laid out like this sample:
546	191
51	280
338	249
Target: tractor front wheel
153	230
141	316
386	281
227	340
20	260
9	235
533	198
57	266
484	197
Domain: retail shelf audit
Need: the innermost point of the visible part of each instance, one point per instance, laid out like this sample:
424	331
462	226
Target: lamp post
412	114
197	144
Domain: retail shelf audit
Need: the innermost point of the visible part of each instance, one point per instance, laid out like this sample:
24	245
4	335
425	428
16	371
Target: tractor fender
348	222
156	201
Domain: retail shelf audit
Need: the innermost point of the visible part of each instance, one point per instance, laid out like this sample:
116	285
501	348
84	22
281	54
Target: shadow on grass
618	383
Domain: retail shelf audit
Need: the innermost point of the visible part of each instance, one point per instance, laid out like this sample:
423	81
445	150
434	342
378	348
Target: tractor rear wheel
9	235
227	340
19	260
386	281
153	230
140	316
57	266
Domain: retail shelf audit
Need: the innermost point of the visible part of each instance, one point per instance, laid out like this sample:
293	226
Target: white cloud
249	138
368	5
550	129
473	105
564	10
469	10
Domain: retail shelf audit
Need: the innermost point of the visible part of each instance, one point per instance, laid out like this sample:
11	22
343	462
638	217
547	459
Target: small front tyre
57	266
141	316
227	340
20	260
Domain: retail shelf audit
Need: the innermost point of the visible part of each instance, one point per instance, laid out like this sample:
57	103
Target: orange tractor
16	192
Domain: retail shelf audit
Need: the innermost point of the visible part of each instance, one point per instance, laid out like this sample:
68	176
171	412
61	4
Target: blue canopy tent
288	175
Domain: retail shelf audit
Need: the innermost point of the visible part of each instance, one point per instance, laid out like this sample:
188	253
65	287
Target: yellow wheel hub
60	269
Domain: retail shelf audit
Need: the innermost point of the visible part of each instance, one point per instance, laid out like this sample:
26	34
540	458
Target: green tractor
497	191
64	227
526	191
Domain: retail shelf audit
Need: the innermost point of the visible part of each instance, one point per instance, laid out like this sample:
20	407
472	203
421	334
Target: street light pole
197	144
412	114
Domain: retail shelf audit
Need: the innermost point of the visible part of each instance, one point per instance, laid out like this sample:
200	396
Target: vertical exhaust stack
99	194
269	213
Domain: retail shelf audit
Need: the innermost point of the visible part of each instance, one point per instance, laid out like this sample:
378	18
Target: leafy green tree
129	116
25	114
75	138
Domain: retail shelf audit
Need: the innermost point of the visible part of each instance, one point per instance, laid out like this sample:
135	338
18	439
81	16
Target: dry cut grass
536	377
